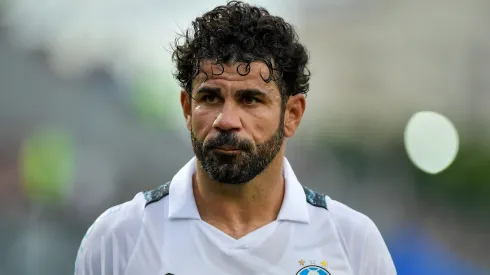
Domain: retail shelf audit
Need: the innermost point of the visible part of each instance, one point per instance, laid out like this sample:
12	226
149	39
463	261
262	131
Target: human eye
210	99
250	100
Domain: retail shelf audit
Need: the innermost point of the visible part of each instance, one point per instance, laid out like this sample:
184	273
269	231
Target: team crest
313	269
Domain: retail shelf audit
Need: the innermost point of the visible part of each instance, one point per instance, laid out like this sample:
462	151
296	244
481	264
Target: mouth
227	150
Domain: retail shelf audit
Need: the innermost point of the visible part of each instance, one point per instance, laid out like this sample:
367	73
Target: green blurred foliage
464	186
48	164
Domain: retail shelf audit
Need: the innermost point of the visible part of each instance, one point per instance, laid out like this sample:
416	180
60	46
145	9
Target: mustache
228	139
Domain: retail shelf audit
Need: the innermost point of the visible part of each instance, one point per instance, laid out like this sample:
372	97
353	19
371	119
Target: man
237	207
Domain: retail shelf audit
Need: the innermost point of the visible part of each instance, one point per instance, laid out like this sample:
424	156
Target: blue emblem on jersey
313	270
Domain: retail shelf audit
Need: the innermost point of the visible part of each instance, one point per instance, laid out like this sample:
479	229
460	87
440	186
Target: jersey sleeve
108	244
362	241
376	258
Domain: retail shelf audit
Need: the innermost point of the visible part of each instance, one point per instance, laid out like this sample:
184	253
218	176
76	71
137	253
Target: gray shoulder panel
157	194
315	199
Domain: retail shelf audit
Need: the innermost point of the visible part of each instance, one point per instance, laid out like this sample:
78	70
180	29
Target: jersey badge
312	268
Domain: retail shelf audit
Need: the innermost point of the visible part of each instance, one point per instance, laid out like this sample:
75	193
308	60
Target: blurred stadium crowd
90	115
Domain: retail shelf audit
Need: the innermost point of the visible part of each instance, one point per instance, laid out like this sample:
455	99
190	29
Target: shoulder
361	239
348	219
359	236
126	218
121	220
345	218
114	234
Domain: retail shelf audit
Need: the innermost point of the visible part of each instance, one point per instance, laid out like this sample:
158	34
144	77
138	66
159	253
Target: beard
237	168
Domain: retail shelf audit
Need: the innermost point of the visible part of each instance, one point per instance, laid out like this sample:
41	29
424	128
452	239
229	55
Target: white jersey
160	232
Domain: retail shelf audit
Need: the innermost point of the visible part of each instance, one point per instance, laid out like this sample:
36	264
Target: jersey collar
182	204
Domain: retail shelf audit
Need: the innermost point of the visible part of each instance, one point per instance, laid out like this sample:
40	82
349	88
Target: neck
240	208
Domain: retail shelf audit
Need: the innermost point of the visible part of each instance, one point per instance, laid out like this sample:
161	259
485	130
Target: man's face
236	121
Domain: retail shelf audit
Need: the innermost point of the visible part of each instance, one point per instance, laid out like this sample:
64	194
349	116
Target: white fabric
168	237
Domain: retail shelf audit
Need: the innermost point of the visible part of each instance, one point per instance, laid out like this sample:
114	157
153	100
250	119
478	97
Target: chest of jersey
280	248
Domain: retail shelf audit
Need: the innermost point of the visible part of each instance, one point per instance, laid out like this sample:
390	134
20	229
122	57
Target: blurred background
90	115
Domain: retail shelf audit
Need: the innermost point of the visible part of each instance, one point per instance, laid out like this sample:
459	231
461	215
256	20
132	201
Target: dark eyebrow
208	90
251	92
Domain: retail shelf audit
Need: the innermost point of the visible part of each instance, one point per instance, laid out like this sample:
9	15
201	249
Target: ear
185	101
295	108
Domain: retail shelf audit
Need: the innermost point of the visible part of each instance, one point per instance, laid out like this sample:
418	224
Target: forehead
235	75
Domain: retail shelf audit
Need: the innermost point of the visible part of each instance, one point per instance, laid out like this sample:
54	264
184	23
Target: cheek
263	128
202	122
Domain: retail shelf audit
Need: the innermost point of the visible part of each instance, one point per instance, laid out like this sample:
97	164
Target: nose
228	119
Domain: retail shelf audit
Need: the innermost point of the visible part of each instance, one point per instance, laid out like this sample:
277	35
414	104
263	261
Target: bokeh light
431	141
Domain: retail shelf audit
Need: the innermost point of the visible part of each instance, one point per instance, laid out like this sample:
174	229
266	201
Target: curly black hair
240	32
